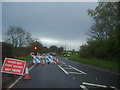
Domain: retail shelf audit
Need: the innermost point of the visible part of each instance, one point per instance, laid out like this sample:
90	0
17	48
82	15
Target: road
68	74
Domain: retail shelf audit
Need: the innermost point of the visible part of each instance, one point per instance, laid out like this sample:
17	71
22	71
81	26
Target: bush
21	51
7	50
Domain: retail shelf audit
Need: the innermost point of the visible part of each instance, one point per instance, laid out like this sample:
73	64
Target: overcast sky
52	23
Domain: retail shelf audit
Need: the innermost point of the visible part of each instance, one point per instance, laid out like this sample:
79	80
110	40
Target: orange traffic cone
35	64
26	76
52	62
43	63
57	61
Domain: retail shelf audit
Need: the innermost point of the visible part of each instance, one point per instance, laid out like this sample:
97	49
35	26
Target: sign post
13	66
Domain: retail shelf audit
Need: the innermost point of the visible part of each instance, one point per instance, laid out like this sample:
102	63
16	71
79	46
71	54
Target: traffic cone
43	63
52	62
57	61
35	64
26	76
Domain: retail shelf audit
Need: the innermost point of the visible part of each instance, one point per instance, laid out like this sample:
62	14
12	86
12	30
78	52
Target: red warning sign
13	66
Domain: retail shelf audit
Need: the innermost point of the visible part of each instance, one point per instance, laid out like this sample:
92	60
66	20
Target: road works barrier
36	60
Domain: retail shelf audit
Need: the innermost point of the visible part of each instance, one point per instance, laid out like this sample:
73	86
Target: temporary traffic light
35	50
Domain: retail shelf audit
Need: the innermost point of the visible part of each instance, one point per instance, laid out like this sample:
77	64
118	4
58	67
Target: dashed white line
67	68
94	84
83	87
19	78
74	73
63	69
77	70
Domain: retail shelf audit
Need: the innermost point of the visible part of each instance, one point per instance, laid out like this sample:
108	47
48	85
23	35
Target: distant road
68	74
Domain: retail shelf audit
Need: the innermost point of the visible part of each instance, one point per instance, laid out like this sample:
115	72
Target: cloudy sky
53	23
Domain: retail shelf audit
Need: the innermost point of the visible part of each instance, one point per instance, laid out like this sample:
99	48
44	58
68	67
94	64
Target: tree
73	51
7	50
45	50
106	20
18	36
29	39
104	33
60	50
38	44
53	49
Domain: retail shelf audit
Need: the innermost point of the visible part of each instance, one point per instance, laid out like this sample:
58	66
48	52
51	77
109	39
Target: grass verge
107	65
24	58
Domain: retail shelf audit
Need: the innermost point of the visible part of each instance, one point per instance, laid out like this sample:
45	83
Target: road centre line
18	79
63	69
94	84
74	72
77	70
83	87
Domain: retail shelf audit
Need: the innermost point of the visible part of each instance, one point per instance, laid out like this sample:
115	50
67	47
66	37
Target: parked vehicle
52	53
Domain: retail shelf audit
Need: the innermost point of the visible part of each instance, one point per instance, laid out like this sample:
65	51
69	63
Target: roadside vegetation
24	58
103	64
104	40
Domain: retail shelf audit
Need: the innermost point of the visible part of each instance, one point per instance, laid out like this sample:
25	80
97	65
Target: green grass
108	65
25	58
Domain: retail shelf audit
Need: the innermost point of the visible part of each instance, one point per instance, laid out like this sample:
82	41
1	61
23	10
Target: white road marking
74	73
18	79
67	68
15	82
64	65
77	70
94	84
63	69
114	88
31	68
83	87
62	62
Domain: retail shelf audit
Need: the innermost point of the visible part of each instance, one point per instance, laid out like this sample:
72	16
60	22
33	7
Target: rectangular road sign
13	66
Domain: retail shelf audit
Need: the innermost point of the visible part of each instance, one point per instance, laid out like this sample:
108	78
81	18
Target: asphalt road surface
68	74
